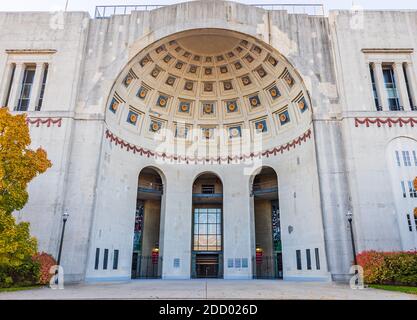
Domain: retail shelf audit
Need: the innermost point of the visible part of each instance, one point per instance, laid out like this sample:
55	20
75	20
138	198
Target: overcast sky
89	5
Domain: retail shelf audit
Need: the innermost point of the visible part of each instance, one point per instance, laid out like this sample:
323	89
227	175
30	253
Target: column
409	69
380	85
401	85
6	83
36	86
16	86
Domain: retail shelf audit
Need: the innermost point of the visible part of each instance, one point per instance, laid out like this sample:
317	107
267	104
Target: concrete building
216	139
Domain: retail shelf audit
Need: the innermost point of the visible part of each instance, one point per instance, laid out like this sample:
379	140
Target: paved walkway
206	289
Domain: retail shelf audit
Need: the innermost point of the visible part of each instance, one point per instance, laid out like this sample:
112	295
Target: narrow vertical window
397	156
407	84
308	256
298	254
115	259
317	254
391	88
27	83
410	227
415	221
105	258
374	89
42	93
9	86
403	189
415	157
406	158
97	259
413	192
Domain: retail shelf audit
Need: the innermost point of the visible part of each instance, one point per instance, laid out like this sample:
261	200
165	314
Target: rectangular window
42	93
27	83
96	262
397	156
9	87
410	227
407	158
207	189
308	256
317	254
403	189
115	259
105	258
415	222
413	192
374	89
298	254
391	88
207	230
415	157
407	84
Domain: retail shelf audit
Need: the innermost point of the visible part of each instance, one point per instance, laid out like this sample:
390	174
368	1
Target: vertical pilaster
380	85
16	86
401	85
409	70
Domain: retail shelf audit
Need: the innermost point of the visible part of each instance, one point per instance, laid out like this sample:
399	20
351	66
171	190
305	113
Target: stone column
380	85
409	69
6	84
401	85
36	86
16	86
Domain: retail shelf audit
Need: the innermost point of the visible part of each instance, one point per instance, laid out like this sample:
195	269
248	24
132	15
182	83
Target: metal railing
102	12
148	268
266	267
151	187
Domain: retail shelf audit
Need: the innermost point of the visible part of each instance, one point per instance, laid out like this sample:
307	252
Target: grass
13	289
411	290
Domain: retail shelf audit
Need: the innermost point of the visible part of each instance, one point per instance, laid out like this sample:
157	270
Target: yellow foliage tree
18	164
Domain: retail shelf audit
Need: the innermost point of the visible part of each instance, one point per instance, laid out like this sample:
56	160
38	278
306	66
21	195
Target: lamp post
64	219
349	216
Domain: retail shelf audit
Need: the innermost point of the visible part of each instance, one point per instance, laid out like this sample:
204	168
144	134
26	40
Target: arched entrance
146	259
207	242
267	262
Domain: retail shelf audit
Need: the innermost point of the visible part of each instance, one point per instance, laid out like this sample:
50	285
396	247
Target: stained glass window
207	229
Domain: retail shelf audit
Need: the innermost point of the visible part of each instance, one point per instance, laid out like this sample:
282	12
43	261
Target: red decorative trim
157	155
385	121
41	121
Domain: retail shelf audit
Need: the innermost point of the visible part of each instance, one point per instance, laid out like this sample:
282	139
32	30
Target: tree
18	164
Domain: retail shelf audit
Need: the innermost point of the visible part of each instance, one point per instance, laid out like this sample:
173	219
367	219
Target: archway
267	262
146	258
207	225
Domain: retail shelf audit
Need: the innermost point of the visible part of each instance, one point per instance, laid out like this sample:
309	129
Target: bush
395	268
26	274
46	261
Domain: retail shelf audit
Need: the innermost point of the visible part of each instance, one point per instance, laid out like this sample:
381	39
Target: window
317	254
105	259
9	87
403	189
397	156
410	227
406	158
298	254
96	262
207	229
308	256
407	84
42	93
415	158
413	192
115	259
391	88
415	221
207	189
374	89
27	83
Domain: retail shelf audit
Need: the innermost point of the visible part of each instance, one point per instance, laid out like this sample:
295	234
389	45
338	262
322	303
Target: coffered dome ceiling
201	82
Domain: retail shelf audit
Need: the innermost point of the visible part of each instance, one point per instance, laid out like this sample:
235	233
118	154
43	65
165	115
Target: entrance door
207	265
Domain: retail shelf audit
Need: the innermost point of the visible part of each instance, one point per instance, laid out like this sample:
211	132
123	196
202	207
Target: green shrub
399	268
26	274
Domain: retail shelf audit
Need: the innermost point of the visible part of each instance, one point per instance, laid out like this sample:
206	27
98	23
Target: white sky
89	5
